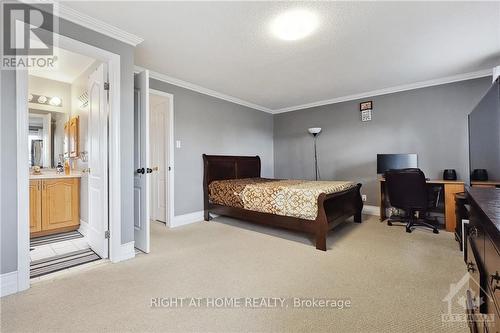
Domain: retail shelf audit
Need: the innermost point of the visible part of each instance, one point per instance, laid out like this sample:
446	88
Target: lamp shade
314	130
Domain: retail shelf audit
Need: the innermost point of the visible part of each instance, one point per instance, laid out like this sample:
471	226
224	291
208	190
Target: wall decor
366	105
366	110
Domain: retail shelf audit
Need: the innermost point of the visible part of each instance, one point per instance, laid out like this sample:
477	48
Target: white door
141	159
158	130
98	163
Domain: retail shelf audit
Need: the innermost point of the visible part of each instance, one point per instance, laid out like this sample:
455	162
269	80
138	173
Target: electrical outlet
363	197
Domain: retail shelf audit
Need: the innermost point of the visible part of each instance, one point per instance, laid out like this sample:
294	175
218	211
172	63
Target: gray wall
8	167
212	126
8	134
431	122
484	129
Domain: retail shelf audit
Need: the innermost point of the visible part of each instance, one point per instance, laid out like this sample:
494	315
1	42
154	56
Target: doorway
159	129
104	225
153	160
67	138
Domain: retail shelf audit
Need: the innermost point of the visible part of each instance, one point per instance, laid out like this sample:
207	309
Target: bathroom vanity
54	203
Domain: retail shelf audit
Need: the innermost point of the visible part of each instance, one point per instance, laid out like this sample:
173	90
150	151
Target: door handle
141	171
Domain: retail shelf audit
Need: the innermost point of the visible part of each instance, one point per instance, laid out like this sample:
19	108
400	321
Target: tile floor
54	249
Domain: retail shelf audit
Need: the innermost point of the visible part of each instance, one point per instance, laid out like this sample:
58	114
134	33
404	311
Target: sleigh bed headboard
218	167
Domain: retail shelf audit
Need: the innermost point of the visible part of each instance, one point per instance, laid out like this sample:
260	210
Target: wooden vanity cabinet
54	205
35	206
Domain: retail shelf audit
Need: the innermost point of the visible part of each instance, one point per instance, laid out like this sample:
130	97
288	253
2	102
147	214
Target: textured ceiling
358	47
69	66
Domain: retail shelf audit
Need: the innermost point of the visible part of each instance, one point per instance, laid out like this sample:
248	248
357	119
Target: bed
233	187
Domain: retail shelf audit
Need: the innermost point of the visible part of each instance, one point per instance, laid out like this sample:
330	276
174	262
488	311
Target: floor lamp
315	131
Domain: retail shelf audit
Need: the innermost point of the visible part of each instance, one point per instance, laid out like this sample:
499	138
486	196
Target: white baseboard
84	227
8	284
127	251
371	210
180	220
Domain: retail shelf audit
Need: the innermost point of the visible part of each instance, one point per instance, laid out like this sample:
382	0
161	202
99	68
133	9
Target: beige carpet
394	280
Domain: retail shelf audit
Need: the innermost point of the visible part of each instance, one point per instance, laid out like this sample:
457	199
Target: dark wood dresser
483	260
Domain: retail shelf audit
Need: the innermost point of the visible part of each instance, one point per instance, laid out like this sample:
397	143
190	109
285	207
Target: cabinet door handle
495	281
473	232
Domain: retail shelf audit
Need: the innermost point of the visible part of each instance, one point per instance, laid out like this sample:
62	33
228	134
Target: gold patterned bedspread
296	198
228	192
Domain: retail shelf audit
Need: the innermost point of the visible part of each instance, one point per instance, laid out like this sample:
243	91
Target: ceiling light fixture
294	24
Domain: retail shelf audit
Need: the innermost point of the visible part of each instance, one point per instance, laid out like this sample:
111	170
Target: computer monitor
395	161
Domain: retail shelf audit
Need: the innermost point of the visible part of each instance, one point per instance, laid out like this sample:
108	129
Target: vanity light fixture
42	99
45	100
56	101
294	24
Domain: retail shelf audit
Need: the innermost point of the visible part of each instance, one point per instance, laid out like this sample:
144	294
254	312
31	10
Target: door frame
114	176
169	197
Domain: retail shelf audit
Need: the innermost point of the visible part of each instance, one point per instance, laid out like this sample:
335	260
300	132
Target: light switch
177	143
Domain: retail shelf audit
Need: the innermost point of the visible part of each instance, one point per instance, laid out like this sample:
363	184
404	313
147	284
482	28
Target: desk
450	188
487	183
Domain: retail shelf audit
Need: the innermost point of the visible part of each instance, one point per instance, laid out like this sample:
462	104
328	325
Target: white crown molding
201	90
72	15
379	92
496	73
391	90
79	18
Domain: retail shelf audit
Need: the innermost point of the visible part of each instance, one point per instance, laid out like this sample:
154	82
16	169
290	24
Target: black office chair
407	189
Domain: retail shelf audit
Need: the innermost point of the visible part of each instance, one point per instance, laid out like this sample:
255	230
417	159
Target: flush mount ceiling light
294	24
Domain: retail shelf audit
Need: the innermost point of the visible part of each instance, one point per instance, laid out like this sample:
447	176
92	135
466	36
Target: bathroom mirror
47	142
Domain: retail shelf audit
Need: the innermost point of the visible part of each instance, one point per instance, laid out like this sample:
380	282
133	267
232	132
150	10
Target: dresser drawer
475	233
473	267
491	316
492	274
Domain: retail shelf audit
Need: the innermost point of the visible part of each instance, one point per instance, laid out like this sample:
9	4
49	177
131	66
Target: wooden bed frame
333	209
